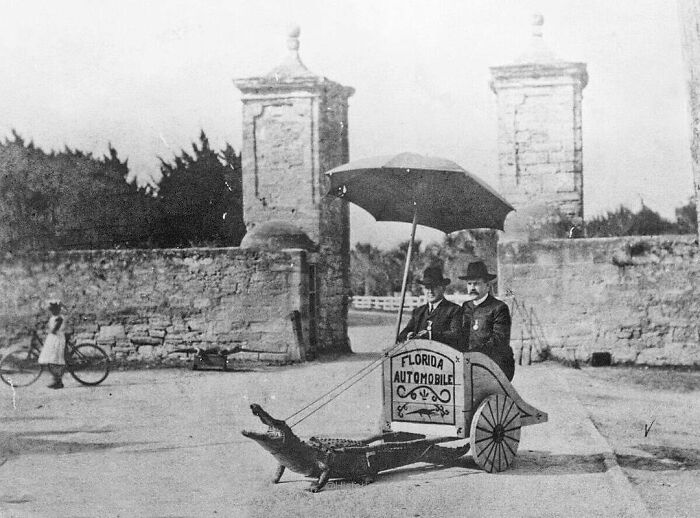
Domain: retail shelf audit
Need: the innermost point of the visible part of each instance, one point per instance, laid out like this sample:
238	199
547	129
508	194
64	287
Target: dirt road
167	443
652	420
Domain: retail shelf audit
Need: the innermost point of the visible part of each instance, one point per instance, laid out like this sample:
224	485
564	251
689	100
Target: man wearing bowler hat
439	319
486	320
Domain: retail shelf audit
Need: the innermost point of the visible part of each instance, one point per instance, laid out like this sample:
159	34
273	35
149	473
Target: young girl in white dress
52	354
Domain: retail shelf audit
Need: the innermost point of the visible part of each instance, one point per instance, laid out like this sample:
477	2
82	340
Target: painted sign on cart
423	381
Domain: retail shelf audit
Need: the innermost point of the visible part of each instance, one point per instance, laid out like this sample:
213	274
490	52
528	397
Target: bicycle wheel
88	364
19	367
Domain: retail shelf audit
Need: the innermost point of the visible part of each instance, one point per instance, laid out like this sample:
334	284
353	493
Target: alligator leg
278	474
322	480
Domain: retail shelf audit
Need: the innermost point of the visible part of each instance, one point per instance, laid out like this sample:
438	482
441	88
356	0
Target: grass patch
373	318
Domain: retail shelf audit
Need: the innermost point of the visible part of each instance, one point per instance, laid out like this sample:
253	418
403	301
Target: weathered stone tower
539	138
295	127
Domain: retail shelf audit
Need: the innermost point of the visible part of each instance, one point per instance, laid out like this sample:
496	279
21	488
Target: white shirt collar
433	305
479	301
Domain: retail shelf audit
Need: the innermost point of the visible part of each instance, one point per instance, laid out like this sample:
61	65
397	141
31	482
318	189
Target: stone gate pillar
539	139
295	127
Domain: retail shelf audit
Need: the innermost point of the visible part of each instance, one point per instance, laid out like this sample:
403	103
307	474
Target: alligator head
278	432
284	445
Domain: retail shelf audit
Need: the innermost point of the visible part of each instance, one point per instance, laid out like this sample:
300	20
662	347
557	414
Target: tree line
645	222
378	272
73	200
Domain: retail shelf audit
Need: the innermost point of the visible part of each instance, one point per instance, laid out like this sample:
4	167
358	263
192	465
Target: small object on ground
647	427
214	358
601	359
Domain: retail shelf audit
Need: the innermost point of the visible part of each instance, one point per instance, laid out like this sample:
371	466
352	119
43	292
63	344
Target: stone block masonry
637	298
141	304
540	144
295	128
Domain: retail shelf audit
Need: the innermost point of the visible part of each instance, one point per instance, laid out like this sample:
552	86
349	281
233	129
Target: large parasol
421	190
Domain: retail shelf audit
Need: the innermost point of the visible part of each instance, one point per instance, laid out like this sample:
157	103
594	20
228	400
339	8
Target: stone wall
637	298
140	304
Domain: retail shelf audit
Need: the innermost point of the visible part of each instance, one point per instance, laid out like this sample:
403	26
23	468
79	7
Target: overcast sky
147	76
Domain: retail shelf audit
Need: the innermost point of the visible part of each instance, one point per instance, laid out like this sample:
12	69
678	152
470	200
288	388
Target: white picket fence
394	303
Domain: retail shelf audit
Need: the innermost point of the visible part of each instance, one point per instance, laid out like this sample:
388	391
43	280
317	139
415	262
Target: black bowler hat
477	270
54	303
432	276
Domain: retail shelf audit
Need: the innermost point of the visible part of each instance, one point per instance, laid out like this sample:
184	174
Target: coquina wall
141	304
635	297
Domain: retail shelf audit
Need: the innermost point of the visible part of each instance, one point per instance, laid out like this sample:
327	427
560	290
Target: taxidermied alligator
358	460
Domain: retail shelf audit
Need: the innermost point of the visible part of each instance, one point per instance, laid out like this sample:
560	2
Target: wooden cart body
434	390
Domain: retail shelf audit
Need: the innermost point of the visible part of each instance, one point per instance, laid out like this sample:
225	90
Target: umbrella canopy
412	188
446	197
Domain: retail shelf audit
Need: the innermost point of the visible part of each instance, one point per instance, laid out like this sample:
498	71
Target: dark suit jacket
486	329
446	322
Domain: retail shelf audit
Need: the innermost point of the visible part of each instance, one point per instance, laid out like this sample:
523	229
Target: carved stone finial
537	23
537	51
292	66
293	38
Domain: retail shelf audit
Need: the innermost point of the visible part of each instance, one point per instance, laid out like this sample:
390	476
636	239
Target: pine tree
199	198
68	199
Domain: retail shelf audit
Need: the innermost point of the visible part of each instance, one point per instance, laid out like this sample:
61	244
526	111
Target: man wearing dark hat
486	320
439	319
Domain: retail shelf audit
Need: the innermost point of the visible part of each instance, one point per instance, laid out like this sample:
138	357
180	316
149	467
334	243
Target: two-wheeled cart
434	391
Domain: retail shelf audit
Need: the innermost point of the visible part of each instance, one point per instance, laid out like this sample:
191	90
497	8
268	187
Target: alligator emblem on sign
423	412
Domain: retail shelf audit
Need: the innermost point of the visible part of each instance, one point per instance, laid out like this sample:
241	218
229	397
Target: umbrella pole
405	271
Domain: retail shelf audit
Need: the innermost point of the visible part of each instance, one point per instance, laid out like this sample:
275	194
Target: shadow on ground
527	463
661	458
27	418
544	463
28	443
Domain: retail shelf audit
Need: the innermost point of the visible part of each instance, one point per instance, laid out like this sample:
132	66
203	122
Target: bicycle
87	363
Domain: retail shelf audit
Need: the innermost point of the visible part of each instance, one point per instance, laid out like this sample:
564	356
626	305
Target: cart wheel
495	433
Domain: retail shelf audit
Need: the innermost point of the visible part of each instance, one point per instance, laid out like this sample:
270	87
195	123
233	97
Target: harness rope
369	368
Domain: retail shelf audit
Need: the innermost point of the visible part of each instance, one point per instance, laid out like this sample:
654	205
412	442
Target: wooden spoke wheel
495	433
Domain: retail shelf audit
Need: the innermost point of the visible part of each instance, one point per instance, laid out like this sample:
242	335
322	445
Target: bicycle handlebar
200	350
220	352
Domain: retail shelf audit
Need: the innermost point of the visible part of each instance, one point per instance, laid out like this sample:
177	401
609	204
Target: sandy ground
652	420
168	443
